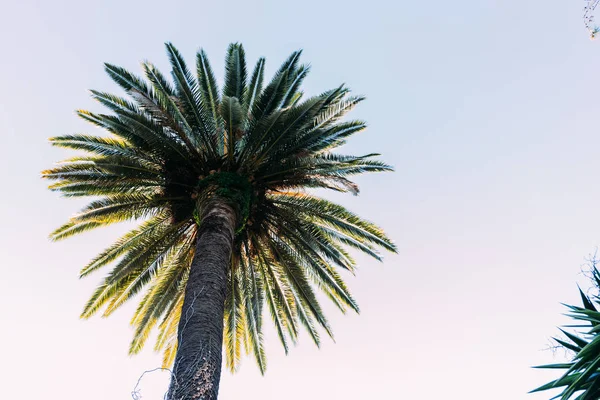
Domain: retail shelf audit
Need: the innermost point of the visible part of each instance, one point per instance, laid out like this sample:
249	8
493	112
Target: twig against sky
588	17
136	393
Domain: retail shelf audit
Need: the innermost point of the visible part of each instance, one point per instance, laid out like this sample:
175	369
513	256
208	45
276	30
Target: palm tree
581	379
220	179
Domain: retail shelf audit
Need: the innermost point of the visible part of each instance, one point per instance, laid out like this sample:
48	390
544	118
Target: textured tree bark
197	367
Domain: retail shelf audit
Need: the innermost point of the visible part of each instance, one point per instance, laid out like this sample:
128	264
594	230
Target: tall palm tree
220	180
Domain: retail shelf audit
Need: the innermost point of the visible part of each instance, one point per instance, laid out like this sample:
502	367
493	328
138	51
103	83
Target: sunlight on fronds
175	143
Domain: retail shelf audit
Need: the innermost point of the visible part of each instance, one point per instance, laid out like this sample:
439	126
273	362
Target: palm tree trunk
197	368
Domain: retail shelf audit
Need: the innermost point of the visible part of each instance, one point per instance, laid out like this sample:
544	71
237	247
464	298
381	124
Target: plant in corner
581	377
218	179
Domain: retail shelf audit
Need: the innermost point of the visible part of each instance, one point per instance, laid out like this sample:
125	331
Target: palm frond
235	72
272	96
233	117
209	91
145	232
581	379
134	271
189	95
234	324
255	86
294	82
167	285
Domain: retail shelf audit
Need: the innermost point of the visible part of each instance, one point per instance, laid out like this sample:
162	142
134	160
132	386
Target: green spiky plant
219	180
581	379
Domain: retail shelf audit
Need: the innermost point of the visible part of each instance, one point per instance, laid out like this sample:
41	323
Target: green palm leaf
581	379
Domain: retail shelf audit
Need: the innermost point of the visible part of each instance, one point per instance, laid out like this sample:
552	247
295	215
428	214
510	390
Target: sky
488	110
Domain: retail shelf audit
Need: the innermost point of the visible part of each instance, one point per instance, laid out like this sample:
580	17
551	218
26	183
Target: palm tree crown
173	147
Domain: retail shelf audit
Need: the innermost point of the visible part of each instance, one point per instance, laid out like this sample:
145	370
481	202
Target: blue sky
487	109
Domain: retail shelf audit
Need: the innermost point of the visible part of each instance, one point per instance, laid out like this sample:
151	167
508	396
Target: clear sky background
489	110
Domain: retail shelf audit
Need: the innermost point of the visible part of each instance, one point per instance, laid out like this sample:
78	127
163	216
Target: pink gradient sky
489	112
